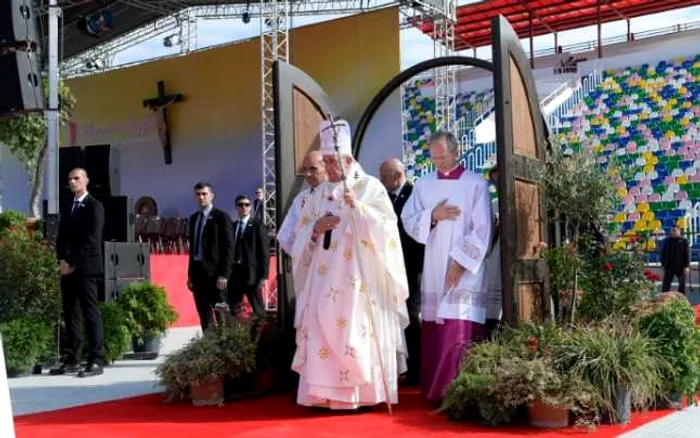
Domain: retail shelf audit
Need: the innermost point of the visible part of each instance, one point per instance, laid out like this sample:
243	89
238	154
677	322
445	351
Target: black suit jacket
255	252
675	255
258	207
413	252
79	240
217	243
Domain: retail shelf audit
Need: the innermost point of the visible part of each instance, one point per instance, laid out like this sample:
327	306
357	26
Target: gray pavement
125	378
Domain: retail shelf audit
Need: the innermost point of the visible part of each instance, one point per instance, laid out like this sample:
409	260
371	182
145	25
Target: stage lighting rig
97	24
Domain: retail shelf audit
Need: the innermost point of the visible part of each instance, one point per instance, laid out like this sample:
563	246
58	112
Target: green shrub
11	219
29	280
672	328
613	356
24	341
146	310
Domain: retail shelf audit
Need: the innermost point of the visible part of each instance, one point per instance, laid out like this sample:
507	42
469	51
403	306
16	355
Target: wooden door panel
521	143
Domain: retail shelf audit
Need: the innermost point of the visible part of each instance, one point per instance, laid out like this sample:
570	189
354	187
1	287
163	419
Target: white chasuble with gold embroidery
351	309
464	240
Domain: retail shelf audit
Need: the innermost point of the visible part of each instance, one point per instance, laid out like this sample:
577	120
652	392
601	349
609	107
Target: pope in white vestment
351	287
449	212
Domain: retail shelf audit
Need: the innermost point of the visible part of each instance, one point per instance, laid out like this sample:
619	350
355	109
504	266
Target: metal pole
52	112
532	43
629	30
600	30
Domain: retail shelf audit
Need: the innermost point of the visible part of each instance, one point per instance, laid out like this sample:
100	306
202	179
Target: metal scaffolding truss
446	77
182	21
296	8
101	57
274	46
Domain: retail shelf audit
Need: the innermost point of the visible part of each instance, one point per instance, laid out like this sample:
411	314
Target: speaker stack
125	263
20	67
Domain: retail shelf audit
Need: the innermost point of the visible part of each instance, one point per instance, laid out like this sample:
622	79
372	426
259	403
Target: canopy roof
473	27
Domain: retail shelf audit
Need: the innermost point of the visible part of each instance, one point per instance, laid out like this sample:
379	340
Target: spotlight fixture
246	15
171	40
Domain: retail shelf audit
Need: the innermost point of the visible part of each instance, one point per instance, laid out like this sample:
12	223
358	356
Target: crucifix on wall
160	104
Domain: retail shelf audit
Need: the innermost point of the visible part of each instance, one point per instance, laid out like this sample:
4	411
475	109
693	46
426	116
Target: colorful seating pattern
645	120
419	110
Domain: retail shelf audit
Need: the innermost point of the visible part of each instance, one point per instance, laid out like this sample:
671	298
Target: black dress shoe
65	368
92	369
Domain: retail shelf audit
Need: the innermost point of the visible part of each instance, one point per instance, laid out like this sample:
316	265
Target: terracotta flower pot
208	393
547	417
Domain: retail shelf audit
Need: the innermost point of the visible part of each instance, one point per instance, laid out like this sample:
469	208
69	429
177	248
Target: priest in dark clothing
675	259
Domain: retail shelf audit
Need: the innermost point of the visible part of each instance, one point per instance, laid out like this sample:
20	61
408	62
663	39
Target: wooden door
522	144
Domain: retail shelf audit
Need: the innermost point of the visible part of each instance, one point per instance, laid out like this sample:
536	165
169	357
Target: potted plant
556	394
618	361
671	325
147	314
199	369
264	333
489	386
116	336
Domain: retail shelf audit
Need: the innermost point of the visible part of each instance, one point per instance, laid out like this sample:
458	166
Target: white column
52	184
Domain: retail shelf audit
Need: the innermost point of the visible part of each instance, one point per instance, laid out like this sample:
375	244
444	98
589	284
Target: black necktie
239	240
198	234
393	197
74	210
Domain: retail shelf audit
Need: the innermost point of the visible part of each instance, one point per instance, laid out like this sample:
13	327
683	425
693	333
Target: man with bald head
79	251
393	177
314	174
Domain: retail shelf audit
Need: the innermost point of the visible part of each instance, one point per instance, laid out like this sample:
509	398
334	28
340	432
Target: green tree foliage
25	136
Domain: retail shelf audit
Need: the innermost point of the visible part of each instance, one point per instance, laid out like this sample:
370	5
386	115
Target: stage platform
124	401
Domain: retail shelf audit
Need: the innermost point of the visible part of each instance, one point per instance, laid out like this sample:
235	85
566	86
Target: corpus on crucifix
160	104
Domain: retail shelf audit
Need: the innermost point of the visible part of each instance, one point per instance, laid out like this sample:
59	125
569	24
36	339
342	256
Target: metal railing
584	87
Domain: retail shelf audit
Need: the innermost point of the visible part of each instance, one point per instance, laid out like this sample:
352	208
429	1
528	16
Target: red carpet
273	416
170	271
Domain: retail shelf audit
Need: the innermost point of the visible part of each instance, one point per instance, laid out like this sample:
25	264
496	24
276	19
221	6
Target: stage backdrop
216	130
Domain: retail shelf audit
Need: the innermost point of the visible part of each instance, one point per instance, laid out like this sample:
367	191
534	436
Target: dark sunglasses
244	204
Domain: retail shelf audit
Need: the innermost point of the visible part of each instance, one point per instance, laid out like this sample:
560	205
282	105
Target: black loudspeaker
18	22
68	159
103	166
109	289
119	218
22	88
126	260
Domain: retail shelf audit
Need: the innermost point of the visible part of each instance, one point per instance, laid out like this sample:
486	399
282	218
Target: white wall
383	137
14	183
